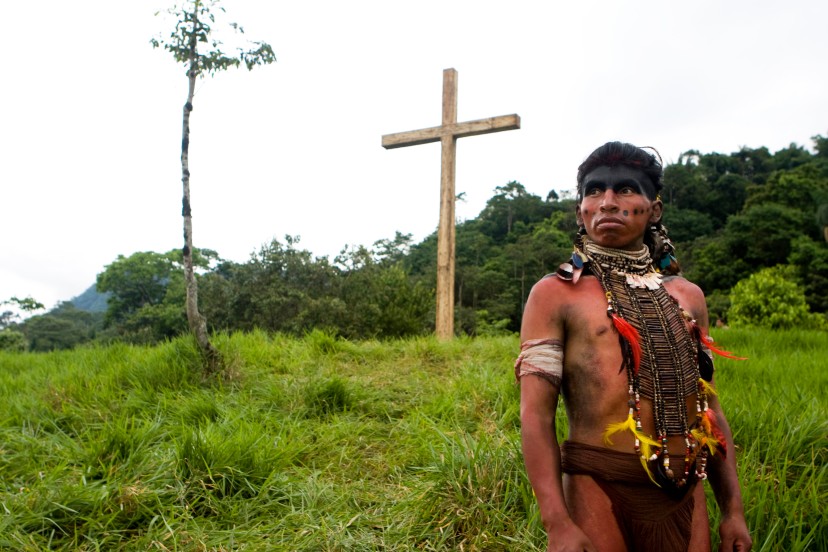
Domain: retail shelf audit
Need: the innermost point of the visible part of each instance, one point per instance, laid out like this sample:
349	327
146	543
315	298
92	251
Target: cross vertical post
447	134
446	228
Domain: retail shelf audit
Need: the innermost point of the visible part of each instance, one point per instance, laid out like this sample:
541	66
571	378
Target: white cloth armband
542	357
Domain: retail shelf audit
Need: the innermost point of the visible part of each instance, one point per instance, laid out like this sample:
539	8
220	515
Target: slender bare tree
193	29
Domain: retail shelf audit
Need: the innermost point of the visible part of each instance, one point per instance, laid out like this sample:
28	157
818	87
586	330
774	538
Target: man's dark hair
613	154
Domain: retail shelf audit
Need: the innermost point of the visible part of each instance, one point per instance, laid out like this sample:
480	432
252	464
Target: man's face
616	209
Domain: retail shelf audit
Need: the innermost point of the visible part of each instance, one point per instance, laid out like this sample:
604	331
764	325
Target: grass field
320	444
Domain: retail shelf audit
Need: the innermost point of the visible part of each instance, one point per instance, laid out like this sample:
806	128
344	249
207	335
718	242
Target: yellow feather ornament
628	424
708	388
646	443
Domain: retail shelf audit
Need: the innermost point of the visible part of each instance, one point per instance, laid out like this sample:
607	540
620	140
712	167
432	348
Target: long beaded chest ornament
666	361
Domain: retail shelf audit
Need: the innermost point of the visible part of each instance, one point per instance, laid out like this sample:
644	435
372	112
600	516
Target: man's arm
724	481
541	453
733	528
542	457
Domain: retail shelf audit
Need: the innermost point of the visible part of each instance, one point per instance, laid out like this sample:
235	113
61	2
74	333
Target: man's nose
609	201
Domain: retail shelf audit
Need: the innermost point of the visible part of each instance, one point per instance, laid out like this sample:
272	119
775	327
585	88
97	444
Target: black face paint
616	179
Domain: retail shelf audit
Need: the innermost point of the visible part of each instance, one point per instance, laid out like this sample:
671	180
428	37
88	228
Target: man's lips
609	221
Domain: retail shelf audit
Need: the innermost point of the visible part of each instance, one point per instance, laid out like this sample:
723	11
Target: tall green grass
321	444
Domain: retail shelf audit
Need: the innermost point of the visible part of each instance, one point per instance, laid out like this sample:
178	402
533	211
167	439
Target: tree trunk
197	322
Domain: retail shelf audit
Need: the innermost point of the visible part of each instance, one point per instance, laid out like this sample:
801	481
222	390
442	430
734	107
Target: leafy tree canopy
195	20
10	318
146	293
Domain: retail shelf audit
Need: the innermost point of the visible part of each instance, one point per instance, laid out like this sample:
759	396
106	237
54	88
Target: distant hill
90	300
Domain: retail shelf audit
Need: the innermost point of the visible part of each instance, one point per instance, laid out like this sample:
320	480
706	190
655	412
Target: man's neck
621	260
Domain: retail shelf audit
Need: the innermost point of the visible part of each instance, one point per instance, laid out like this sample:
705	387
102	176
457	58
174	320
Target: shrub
772	298
12	340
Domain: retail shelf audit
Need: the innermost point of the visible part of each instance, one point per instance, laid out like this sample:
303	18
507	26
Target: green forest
750	228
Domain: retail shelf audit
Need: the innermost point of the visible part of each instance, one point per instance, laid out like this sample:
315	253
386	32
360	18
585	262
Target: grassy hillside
320	444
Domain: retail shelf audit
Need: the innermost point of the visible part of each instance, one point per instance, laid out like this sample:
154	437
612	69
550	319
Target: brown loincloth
649	518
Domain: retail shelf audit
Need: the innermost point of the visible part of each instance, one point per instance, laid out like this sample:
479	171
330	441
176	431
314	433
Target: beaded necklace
661	357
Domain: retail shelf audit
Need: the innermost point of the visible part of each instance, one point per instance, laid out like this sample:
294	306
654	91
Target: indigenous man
624	338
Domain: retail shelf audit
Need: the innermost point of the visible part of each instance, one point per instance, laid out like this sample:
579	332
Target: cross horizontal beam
458	130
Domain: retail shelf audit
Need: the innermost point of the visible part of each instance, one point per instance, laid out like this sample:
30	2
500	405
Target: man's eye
626	190
593	191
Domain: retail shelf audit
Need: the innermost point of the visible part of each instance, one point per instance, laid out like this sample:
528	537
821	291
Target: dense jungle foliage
749	216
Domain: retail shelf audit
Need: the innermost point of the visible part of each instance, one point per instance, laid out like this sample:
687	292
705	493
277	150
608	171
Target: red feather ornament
716	431
631	336
707	341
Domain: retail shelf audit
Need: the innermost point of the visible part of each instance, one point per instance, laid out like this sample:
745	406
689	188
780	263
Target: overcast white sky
90	115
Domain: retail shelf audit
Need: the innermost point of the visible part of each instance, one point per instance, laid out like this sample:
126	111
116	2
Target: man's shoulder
552	291
680	283
554	304
689	296
551	283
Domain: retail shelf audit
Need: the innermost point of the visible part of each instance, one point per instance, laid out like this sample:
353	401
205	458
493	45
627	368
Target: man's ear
579	220
656	211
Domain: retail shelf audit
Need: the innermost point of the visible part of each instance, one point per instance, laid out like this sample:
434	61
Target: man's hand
734	535
568	537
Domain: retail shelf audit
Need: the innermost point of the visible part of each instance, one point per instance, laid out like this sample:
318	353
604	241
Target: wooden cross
447	134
